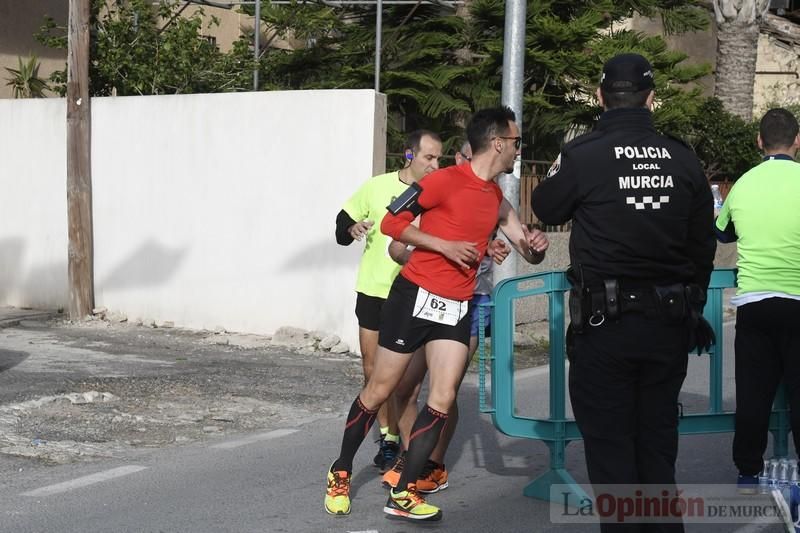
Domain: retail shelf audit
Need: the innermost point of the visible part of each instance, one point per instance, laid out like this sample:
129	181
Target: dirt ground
81	391
77	391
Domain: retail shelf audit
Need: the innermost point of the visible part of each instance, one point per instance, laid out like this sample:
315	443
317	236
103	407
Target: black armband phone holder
408	201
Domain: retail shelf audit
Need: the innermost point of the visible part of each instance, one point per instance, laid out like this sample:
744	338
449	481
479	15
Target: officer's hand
462	253
360	229
702	336
498	250
536	241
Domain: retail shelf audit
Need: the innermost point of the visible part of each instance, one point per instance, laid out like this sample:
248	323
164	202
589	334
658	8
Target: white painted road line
366	531
85	481
254	438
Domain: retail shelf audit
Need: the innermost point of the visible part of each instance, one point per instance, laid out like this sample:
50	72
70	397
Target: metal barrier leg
557	475
713	313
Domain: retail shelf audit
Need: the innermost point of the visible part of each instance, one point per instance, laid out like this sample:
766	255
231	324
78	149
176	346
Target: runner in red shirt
428	303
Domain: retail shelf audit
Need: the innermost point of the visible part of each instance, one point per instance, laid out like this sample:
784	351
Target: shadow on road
9	359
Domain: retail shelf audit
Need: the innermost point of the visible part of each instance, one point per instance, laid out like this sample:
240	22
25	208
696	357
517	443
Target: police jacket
640	205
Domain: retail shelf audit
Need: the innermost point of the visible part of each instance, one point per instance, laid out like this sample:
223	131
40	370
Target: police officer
641	252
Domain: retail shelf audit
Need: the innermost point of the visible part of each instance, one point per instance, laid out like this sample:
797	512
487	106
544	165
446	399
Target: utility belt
594	305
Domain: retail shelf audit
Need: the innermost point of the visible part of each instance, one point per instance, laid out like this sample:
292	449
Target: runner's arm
353	221
398	225
400	252
530	244
343	224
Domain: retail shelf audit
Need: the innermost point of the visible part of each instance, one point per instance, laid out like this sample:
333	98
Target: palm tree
737	48
25	81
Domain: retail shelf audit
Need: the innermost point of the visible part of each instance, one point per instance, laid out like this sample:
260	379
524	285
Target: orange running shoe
392	476
433	478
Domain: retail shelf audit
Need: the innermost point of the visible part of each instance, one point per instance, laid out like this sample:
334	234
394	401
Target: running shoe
746	484
392	476
337	497
432	479
409	505
387	454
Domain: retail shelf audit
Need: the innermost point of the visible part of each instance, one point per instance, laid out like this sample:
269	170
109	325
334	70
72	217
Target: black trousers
624	381
767	349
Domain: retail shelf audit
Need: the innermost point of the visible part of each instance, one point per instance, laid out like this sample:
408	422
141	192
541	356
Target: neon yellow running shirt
377	270
763	207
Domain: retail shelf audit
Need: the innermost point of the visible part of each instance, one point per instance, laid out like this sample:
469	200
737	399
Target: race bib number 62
438	309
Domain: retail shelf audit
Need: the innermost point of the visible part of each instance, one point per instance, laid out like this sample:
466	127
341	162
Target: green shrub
725	143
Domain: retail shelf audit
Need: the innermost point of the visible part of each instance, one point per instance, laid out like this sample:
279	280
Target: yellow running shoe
433	478
409	505
337	497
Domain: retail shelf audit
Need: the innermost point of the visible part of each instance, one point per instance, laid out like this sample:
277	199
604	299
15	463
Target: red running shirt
459	206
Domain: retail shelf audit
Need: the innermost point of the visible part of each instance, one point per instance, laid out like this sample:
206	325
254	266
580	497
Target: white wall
209	210
33	203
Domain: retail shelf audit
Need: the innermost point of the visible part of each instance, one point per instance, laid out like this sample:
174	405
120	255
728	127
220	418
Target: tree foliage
724	142
140	48
436	68
25	81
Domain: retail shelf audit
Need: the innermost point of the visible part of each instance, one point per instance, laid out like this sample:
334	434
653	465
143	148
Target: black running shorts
402	332
368	311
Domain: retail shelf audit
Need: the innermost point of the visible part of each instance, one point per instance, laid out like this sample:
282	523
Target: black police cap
627	73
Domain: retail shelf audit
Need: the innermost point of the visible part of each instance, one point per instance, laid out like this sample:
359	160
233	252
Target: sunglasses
517	140
465	156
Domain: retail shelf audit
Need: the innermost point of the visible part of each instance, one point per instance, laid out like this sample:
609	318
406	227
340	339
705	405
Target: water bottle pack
779	473
717	196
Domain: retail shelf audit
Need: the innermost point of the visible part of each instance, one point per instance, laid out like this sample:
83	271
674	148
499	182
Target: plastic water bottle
784	473
774	473
794	492
763	479
782	483
717	196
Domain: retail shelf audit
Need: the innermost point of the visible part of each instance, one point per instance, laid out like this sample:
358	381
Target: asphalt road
273	480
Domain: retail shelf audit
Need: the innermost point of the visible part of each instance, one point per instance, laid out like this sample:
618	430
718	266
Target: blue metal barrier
557	430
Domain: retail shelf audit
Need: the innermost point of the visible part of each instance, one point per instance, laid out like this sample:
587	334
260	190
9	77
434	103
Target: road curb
12	321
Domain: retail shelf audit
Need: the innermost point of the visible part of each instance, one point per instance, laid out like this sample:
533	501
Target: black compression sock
424	436
359	421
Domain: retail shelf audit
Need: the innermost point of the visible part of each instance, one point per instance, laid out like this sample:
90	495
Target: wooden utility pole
79	167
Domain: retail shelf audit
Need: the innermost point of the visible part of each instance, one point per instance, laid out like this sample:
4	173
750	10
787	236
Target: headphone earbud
409	156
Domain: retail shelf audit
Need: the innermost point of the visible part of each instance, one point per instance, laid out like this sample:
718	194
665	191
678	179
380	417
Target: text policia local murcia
643	152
